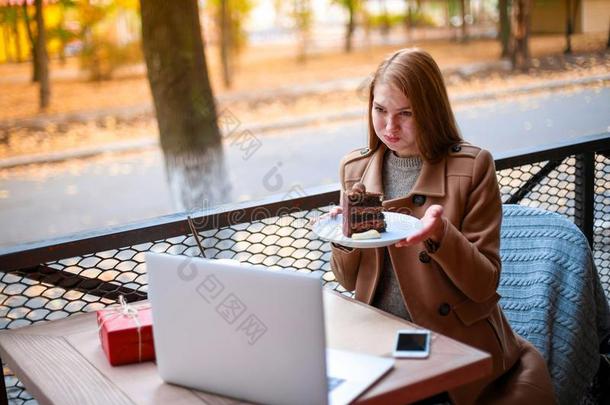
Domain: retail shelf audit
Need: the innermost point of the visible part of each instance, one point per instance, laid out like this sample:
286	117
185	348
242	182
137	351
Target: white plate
398	226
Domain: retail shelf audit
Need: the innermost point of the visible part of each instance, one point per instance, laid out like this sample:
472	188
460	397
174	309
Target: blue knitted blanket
552	295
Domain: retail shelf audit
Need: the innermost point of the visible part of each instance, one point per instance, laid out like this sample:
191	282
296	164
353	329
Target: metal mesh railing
72	285
277	242
601	224
556	191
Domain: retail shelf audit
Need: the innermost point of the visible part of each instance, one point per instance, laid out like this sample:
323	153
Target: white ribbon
123	309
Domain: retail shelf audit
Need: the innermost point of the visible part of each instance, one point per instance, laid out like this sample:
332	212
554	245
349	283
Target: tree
230	16
38	47
303	17
570	11
415	15
520	53
60	32
464	36
352	7
504	31
366	24
5	35
408	18
103	48
42	58
385	19
186	113
16	35
9	18
225	42
28	29
608	43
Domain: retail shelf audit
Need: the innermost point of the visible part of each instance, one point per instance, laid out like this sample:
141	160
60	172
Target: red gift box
126	333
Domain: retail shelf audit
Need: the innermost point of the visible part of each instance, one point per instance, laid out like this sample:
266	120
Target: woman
443	278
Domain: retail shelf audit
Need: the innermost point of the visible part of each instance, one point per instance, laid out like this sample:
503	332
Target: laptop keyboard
334	382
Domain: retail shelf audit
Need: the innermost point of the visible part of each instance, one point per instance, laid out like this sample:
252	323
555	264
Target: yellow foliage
52	17
100	16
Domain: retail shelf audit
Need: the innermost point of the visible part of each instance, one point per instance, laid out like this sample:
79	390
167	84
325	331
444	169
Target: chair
552	296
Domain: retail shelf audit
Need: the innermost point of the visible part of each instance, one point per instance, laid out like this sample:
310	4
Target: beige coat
451	291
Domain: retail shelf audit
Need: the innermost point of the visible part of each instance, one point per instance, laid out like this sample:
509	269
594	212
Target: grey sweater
399	177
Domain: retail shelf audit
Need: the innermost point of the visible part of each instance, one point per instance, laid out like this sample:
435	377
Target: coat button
424	257
444	309
456	148
364	151
419	200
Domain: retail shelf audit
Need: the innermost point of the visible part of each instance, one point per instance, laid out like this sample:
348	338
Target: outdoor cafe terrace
85	272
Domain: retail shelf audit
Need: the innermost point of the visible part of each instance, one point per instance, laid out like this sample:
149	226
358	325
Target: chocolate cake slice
362	211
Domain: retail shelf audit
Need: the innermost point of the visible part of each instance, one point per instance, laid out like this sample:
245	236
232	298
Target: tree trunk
302	12
409	20
42	58
569	27
608	43
184	104
365	19
198	179
464	36
385	20
351	25
225	42
504	27
520	54
33	52
16	34
7	42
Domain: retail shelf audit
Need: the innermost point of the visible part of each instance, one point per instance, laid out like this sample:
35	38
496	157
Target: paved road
45	201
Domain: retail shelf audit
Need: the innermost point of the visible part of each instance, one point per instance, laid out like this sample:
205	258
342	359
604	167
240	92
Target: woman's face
393	120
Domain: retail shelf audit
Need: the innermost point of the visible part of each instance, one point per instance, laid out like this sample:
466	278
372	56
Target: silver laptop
249	333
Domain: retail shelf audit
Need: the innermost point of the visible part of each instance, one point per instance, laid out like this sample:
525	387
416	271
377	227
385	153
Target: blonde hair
417	76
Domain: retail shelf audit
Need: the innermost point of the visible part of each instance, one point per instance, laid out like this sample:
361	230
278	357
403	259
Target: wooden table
61	362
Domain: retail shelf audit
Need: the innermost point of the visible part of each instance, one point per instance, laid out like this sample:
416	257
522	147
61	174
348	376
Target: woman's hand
332	213
434	227
335	211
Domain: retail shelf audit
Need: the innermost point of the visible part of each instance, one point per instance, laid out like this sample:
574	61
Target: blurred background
118	111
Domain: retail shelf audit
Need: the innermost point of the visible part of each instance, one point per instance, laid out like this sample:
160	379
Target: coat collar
431	180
